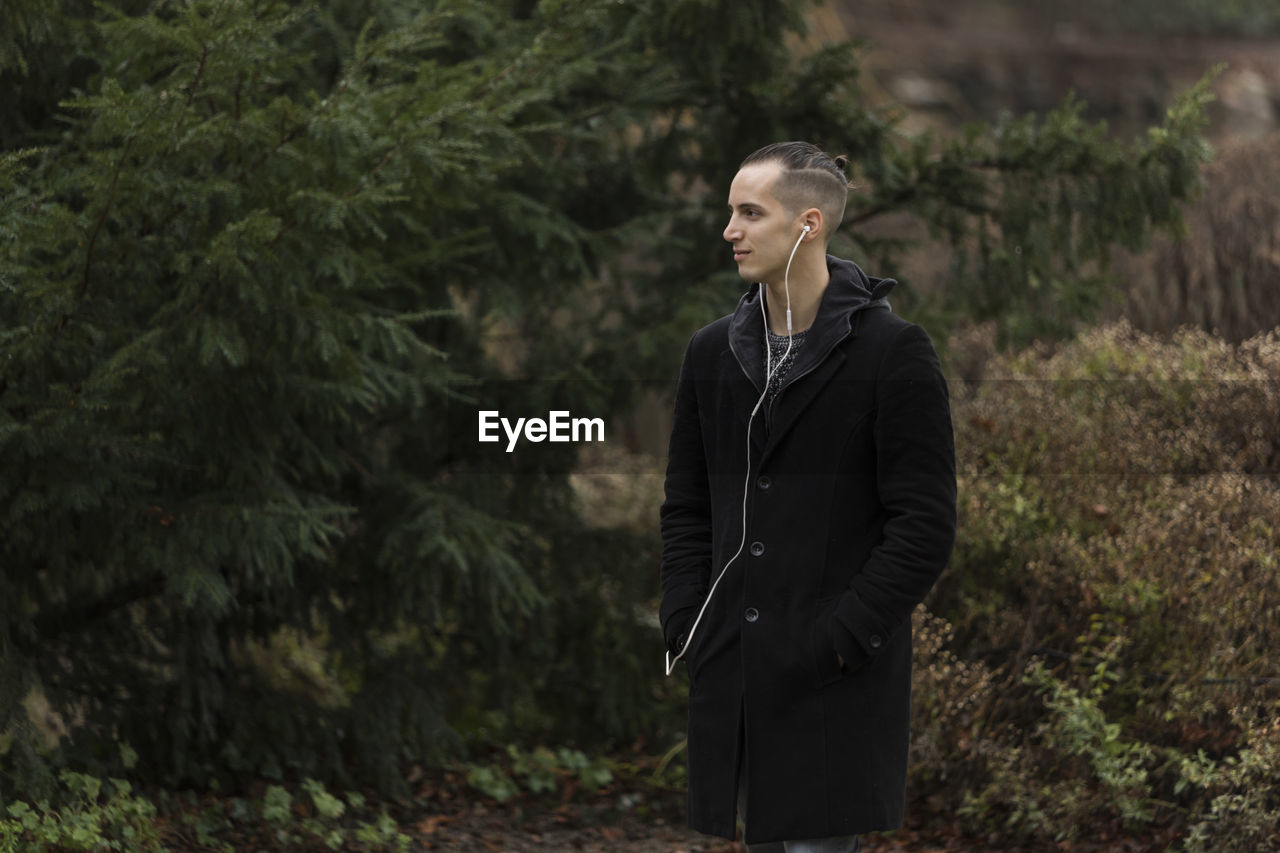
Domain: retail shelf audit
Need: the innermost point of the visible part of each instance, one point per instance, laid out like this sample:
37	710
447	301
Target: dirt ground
625	818
491	833
630	816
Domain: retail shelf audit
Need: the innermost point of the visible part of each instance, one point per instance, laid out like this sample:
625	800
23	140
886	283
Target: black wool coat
849	517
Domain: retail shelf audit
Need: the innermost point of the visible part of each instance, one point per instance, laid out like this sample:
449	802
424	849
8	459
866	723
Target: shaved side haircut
809	178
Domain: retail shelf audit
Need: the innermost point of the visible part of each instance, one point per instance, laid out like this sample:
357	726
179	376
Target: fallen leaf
432	824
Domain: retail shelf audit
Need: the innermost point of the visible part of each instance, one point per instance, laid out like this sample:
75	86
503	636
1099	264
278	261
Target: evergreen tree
261	263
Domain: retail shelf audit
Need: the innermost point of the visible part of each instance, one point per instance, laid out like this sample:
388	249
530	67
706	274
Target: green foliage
540	771
491	781
230	310
1080	769
1099	768
327	806
1243	810
89	815
293	824
1035	207
275	805
1096	771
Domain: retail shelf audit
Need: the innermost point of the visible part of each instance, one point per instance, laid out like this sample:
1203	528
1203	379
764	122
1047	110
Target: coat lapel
796	396
742	398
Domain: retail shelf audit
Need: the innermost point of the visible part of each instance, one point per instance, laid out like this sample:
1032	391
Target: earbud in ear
807	229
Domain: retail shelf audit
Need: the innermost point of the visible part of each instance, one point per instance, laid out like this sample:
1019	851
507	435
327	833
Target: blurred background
262	263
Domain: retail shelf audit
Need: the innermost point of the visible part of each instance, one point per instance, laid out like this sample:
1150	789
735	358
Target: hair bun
841	161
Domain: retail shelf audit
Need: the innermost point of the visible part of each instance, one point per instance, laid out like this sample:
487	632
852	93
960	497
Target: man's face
761	231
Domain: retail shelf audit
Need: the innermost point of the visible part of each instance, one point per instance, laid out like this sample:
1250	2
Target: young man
810	505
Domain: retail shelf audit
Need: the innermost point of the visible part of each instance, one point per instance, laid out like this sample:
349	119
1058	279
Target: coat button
876	641
764	482
752	614
757	548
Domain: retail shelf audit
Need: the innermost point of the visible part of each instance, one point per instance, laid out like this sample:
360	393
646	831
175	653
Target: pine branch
191	93
300	129
102	217
293	134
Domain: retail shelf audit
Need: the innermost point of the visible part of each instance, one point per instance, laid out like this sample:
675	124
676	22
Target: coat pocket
693	644
822	651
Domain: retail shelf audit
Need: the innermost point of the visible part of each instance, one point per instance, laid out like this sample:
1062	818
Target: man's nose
730	232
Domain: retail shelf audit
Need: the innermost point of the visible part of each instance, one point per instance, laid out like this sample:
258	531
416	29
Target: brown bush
1115	582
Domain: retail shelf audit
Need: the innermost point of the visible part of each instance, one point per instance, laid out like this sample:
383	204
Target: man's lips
739	255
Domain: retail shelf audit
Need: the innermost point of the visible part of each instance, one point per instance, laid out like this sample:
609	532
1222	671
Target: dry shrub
1225	274
1116	579
948	696
1127	475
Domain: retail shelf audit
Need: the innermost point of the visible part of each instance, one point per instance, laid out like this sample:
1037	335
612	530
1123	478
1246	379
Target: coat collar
849	290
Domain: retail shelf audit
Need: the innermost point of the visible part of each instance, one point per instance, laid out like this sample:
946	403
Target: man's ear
813	218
